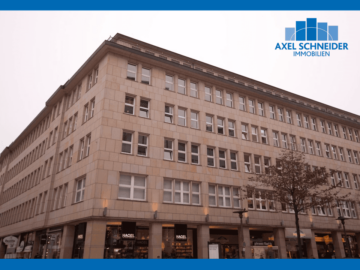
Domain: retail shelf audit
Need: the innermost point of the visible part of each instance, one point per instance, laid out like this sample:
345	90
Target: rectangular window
82	148
181	152
146	76
356	157
280	115
229	100
332	177
322	124
318	149
64	198
182	86
261	108
69	161
276	138
60	162
90	81
182	192
88	142
288	117
92	108
209	123
169	83
75	121
298	117
194	90
55	199
257	164
344	133
250	199
272	112
194	154
70	127
233	159
353	210
224	196
327	151
212	195
168	149
131	72
218	94
306	122
168	191
303	145
347	180
311	147
313	124
222	159
244	131
242	104
284	141
194	120
143	145
339	176
210	157
182	117
293	142
132	187
251	106
263	135
260	200
356	136
333	148
169	114
144	108
208	94
80	190
220	126
341	153
65	129
55	135
336	130
231	126
247	162
349	156
129	105
350	134
356	182
254	134
127	143
86	113
267	164
329	128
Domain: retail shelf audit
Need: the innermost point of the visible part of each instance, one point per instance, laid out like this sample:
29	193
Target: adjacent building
144	153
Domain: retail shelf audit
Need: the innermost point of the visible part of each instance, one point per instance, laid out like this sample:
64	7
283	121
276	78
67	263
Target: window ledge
183	204
125	199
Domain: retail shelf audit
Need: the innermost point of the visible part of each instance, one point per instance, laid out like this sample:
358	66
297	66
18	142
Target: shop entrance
262	245
180	244
79	241
228	240
324	245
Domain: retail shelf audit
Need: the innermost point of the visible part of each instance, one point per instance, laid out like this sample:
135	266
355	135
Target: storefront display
324	245
24	250
79	241
292	243
353	246
126	241
40	243
262	245
10	242
228	242
179	242
53	243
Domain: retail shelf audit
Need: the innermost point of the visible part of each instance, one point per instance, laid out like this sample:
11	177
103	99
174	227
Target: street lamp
342	219
241	212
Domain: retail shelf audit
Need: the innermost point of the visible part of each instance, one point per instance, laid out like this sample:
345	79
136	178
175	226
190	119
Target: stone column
246	238
155	241
95	240
67	242
357	236
338	245
312	251
203	237
279	235
36	245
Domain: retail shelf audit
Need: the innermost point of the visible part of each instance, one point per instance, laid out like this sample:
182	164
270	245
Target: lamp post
241	212
342	219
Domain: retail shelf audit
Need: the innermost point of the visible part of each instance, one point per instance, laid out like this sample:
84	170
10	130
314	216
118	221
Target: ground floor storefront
141	240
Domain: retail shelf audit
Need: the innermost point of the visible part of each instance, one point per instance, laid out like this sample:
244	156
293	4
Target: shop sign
304	233
261	243
80	236
180	232
128	230
10	241
141	243
28	249
21	247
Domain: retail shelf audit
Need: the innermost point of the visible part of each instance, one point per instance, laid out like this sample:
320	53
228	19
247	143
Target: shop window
132	187
175	249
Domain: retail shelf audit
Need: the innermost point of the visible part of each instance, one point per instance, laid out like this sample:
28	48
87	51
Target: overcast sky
39	51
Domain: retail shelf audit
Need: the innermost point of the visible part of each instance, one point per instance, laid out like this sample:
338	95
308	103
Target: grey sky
41	50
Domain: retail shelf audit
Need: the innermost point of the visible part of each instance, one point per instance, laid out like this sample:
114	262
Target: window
218	94
242	104
195	198
347	180
209	123
356	157
254	134
288	117
60	162
69	161
75	121
222	159
131	72
251	106
339	176
311	147
276	138
146	76
257	164
356	136
212	195
247	162
223	195
126	143
96	71
55	135
267	164
318	148
344	132
181	86
70	125
327	151
272	111
181	152
168	149
144	108
82	146
280	115
250	199
169	114
86	113
260	200
210	157
129	105
356	182
329	128
231	126
332	177
182	117
333	148
303	145
90	79
182	192
233	160
65	129
298	116
353	210
194	120
313	123
350	134
244	131
143	145
220	126
229	100
322	124
336	131
194	90
284	141
261	108
80	190
88	142
194	154
169	83
293	142
64	198
263	135
341	153
306	122
208	94
168	191
349	156
55	199
132	187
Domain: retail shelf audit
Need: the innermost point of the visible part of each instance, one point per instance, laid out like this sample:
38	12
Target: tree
294	183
